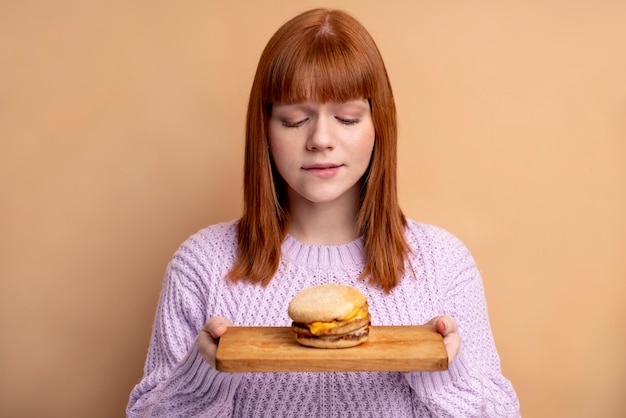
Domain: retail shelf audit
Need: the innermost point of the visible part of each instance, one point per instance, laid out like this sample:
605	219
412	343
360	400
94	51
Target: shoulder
218	235
439	256
203	259
214	243
440	246
418	233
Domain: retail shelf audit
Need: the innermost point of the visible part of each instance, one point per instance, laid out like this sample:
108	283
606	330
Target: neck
327	223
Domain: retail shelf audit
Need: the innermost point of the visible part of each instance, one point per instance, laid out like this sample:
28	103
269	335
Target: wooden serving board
388	348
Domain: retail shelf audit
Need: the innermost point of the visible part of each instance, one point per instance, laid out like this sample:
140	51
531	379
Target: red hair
320	55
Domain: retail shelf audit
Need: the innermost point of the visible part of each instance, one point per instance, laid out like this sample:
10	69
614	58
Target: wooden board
388	348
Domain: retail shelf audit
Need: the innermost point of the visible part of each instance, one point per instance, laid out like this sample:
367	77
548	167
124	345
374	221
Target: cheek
273	145
366	147
281	156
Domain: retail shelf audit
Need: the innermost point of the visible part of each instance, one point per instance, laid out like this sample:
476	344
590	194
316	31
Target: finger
439	323
448	328
452	343
445	325
217	326
207	346
209	337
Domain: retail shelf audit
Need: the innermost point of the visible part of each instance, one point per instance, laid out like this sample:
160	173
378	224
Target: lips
324	170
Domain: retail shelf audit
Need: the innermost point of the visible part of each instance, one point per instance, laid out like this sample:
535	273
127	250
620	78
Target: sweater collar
350	253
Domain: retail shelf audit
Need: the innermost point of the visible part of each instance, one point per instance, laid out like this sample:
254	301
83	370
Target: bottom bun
351	339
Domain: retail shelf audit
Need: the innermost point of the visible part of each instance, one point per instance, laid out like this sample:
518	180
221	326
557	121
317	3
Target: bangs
324	70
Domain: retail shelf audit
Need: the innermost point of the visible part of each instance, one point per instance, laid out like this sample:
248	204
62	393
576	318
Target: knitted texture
441	279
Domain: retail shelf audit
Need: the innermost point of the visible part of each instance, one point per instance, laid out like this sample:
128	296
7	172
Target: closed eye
296	124
347	121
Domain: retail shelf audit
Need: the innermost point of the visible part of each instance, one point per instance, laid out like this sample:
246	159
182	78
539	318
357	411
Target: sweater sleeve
473	385
177	381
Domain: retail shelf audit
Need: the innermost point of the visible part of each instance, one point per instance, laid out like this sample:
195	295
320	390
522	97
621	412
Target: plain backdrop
121	133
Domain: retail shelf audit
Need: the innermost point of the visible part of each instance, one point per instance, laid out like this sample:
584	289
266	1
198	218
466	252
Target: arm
473	385
178	377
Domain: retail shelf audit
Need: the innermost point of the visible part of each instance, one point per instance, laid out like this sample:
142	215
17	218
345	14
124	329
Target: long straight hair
320	55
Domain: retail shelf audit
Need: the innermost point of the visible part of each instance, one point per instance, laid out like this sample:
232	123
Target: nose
321	135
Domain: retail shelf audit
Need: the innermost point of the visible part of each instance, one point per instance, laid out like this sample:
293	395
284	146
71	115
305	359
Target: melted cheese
356	313
316	327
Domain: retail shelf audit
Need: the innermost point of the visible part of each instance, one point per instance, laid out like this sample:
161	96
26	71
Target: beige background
121	128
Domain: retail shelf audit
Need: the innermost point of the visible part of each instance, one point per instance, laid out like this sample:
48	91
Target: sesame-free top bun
325	303
330	316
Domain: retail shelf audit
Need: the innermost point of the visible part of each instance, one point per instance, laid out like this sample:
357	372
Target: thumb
443	324
216	326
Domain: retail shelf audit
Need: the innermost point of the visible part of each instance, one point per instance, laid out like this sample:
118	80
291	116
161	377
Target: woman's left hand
446	326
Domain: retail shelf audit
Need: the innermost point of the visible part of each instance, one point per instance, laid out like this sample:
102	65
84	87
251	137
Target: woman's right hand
209	337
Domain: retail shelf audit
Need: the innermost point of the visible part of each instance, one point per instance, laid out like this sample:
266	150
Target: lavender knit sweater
177	381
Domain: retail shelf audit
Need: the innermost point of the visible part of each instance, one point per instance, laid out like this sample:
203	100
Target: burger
330	316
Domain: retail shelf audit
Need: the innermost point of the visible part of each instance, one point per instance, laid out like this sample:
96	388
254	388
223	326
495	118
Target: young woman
320	206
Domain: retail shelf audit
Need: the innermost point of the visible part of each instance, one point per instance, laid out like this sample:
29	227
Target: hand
446	326
210	335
